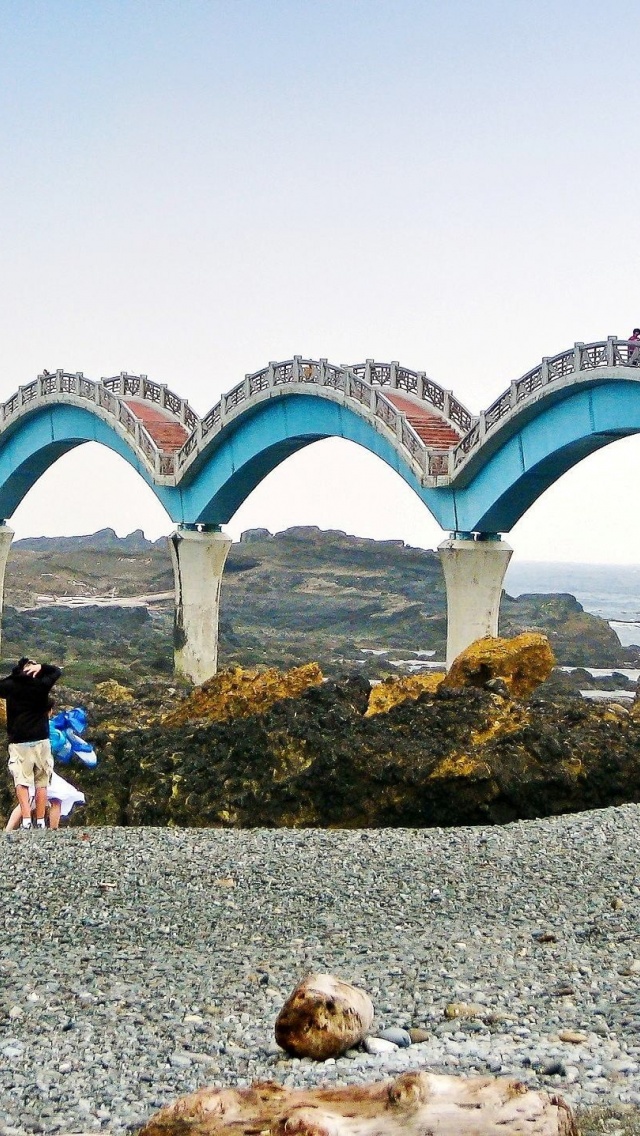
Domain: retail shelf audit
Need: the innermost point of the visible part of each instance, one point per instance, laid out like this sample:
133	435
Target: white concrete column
473	573
198	562
6	536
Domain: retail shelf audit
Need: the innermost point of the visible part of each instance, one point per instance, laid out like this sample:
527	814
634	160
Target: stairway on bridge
434	431
168	434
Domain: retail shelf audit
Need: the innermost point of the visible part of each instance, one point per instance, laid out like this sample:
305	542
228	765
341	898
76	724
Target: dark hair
636	331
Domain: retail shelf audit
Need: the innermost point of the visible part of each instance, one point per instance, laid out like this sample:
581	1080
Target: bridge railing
359	383
416	383
612	352
139	386
110	396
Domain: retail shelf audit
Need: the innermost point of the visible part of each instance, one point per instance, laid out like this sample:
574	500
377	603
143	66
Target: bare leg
41	802
22	793
14	820
54	814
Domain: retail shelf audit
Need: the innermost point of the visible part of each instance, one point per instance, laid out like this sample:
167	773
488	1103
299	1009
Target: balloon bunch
65	735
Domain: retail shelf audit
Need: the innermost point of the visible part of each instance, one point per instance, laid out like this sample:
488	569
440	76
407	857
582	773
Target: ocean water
609	590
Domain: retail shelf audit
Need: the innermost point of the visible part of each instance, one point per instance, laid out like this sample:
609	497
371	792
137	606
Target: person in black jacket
26	691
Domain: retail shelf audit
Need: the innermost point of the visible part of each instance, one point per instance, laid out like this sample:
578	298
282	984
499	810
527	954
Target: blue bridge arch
475	474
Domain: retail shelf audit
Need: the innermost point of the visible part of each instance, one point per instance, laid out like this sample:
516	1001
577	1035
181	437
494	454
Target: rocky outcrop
410	753
393	691
448	757
237	693
522	663
576	636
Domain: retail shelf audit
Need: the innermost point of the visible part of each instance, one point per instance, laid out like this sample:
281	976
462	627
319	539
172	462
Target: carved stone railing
139	386
360	383
110	395
113	397
365	384
416	383
580	358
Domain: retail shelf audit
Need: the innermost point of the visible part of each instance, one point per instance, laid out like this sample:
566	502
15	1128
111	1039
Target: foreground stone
413	1104
522	663
323	1018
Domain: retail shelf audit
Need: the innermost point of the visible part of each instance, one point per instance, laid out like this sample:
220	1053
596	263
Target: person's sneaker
26	824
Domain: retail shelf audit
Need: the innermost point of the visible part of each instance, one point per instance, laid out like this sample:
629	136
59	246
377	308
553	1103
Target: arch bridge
477	474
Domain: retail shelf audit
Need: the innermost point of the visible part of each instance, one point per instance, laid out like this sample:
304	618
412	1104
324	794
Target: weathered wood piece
413	1104
323	1017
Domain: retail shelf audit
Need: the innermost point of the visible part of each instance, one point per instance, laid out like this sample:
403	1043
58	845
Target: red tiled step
167	434
434	431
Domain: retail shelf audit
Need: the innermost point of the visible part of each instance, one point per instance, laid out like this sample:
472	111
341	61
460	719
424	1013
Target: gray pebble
399	1037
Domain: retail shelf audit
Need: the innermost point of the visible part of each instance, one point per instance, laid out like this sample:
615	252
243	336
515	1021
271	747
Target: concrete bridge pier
198	554
474	565
6	536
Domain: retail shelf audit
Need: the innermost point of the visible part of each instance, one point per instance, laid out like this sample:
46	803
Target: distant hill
102	541
298	595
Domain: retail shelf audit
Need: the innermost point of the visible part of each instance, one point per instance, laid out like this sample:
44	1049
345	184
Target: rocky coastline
346	602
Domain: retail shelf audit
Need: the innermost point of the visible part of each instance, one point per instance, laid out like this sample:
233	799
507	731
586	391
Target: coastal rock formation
323	1017
301	752
345	601
522	663
237	693
448	757
576	636
413	1104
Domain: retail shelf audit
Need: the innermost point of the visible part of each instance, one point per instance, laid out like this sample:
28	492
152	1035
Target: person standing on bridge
26	692
634	351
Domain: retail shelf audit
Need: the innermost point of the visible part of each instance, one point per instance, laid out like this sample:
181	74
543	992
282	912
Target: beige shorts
31	763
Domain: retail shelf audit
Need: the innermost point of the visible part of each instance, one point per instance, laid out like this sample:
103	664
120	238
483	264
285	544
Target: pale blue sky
191	189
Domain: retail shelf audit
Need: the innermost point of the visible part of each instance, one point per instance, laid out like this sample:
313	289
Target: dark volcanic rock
450	758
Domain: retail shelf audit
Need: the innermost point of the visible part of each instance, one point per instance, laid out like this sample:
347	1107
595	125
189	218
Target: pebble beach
137	965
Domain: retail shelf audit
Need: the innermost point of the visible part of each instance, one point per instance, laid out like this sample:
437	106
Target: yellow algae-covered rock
461	765
237	693
112	691
395	690
522	662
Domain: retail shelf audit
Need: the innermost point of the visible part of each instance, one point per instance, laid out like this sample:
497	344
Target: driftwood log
323	1017
412	1105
